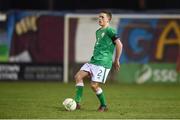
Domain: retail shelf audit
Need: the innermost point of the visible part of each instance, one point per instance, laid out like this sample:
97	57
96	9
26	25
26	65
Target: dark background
60	5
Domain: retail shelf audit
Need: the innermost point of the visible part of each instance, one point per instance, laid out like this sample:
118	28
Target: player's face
103	19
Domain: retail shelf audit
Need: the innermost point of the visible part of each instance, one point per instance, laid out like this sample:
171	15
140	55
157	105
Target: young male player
101	61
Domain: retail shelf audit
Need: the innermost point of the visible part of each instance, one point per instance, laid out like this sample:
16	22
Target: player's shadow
59	108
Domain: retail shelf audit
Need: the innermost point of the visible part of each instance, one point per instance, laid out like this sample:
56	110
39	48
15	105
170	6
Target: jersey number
99	74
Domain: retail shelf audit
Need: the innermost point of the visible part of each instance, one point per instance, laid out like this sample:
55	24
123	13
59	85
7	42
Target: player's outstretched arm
118	54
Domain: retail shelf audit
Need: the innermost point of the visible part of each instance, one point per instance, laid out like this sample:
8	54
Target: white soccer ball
69	104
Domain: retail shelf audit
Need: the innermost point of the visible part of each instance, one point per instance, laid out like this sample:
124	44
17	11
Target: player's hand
116	65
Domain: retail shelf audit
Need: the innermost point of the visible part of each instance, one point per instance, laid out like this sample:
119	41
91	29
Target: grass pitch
35	100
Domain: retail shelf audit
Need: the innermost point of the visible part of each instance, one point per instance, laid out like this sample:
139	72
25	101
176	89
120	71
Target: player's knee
78	78
94	86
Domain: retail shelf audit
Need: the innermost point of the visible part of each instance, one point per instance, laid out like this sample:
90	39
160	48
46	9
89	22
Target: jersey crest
102	34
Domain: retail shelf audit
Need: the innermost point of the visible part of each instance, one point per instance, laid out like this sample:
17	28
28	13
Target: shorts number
99	74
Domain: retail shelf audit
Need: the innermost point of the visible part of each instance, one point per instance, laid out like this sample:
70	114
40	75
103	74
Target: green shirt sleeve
112	33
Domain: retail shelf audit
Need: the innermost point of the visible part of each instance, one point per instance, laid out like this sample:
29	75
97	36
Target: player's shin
79	92
101	97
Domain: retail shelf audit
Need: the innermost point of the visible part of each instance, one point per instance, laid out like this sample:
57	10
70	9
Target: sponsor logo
147	73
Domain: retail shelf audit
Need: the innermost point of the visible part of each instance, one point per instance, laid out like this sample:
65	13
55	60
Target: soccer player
101	61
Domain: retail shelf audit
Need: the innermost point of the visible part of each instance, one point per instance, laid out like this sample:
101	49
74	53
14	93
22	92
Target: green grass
44	100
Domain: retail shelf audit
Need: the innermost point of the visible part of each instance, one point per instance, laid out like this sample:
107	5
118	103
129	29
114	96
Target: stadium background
33	39
34	47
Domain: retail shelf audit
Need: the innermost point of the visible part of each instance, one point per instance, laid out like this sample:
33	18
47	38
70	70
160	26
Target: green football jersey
104	47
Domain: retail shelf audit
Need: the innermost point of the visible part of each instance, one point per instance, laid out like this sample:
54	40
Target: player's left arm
119	47
116	40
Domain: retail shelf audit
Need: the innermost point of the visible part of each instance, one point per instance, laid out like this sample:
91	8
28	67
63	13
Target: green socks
79	93
99	93
101	98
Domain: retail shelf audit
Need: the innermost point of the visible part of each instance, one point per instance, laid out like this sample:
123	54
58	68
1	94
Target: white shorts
98	73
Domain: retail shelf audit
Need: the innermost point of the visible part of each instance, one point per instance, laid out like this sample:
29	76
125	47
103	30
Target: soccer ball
69	104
